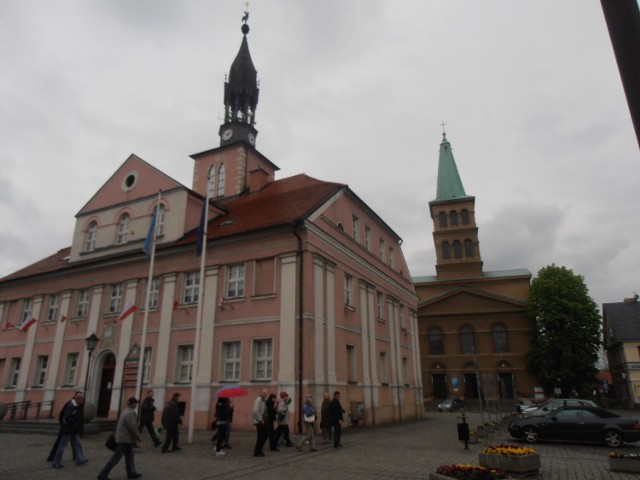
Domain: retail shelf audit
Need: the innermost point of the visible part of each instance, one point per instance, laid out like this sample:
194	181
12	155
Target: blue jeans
75	446
125	449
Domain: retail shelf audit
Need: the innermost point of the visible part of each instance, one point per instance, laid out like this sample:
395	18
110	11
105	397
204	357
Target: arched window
442	217
457	249
499	335
453	216
466	339
436	345
446	251
123	229
92	233
468	248
222	177
160	221
465	216
211	182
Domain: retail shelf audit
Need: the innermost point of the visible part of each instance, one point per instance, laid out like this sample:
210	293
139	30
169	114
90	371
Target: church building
297	286
473	324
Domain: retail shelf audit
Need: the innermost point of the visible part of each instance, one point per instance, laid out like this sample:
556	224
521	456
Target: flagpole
196	348
154	225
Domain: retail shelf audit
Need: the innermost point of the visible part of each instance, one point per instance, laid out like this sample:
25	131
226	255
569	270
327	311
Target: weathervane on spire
245	17
444	133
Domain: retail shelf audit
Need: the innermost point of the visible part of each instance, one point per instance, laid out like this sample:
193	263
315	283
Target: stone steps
51	427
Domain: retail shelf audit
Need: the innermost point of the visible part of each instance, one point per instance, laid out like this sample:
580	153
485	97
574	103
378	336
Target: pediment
134	179
462	300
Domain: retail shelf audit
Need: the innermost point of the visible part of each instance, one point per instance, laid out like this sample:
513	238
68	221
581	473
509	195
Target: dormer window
160	221
222	177
92	233
123	229
211	182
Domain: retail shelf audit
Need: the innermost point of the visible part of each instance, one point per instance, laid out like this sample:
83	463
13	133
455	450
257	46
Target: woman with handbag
309	419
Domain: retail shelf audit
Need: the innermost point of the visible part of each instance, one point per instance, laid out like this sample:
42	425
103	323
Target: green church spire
449	183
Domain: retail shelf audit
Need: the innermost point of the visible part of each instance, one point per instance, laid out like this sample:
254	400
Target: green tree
566	332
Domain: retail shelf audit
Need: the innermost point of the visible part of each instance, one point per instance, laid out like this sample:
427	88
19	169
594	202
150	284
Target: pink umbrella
231	391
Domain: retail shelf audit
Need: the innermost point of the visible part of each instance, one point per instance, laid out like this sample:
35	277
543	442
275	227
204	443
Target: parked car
556	403
577	424
522	405
450	404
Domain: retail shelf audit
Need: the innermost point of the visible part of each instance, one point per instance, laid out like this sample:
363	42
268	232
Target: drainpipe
296	225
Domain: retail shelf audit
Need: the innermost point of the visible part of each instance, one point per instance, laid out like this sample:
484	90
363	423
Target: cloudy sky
352	91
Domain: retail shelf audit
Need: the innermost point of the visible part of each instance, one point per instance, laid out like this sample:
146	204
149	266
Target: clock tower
240	97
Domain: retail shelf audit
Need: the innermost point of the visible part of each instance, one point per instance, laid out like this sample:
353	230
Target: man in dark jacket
147	415
171	421
71	427
54	449
336	419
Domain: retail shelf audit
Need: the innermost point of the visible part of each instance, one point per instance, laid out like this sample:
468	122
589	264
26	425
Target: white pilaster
318	315
331	326
56	349
25	365
169	294
207	338
288	295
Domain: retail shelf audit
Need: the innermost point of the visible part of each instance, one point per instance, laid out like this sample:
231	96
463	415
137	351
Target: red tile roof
279	203
52	263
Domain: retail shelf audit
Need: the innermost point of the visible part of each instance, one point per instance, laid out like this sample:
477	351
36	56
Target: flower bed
629	462
463	471
511	458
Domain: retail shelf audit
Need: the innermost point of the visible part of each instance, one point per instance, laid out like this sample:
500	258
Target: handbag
309	418
110	443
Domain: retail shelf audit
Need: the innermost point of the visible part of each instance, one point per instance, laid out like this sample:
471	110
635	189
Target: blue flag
151	236
201	233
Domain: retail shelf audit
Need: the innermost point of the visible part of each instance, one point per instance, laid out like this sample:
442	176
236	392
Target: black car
578	424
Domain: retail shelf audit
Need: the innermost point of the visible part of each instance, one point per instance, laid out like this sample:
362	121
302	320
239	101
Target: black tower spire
240	96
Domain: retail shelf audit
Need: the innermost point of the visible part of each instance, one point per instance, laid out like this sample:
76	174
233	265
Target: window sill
351	308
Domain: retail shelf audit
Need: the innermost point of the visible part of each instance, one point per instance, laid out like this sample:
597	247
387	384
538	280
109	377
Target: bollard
463	431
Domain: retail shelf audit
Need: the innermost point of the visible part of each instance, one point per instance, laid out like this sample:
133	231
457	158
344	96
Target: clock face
252	139
227	134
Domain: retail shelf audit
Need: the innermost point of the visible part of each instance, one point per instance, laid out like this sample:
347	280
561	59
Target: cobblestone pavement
403	451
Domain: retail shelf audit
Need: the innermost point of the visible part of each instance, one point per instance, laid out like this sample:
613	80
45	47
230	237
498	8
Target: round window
129	181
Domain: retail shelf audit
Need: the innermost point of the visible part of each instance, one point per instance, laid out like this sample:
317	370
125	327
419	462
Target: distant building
305	290
621	323
473	324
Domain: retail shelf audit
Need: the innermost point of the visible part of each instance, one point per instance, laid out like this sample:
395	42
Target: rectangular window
384	369
405	371
184	372
367	237
160	221
154	294
27	305
355	228
401	316
382	249
52	309
82	303
351	364
146	365
235	281
262	359
115	299
14	372
71	369
380	306
348	290
41	370
392	257
191	287
230	361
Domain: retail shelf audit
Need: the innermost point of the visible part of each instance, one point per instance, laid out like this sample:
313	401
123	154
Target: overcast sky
351	91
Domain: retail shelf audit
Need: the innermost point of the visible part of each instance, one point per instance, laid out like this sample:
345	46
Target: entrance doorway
506	385
106	385
439	386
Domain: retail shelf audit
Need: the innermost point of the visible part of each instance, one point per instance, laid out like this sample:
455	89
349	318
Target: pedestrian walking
309	420
271	420
336	419
282	418
325	419
147	416
259	419
223	414
54	448
171	421
127	434
71	427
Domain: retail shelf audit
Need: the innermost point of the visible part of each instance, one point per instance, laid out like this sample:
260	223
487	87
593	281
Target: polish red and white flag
128	310
24	326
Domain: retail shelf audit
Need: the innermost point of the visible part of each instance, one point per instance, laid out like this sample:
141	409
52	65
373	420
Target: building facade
621	331
473	325
300	287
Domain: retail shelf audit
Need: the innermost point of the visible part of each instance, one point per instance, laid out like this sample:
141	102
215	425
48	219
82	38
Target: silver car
450	404
555	403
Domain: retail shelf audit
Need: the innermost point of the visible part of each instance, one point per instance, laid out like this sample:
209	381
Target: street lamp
92	342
